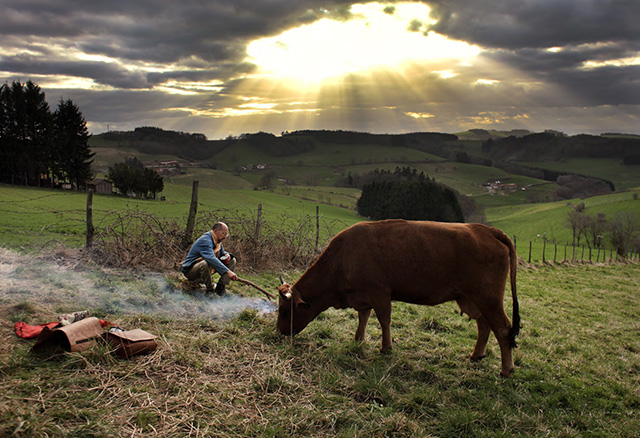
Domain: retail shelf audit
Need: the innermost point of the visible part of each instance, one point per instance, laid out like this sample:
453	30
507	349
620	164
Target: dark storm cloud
570	70
519	34
541	23
204	40
155	30
101	72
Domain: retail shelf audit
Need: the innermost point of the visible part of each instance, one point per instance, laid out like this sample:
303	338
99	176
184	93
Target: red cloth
27	331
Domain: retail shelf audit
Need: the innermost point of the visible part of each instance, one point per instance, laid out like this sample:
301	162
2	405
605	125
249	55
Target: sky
227	67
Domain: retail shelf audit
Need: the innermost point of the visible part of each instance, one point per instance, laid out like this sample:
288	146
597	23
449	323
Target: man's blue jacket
205	247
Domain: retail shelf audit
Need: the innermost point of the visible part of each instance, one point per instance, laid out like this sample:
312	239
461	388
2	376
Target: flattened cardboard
131	342
72	338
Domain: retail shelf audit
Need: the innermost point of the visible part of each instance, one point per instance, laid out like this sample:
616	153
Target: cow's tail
513	258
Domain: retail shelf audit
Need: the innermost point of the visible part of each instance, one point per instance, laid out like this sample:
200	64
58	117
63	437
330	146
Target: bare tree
624	228
594	230
578	222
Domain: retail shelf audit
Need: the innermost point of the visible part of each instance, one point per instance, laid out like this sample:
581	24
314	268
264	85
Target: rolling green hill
532	222
307	176
327	158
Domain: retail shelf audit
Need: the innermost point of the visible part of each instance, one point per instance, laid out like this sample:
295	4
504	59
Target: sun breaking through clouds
373	37
225	68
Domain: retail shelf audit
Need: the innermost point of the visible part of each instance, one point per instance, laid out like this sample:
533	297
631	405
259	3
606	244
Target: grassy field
32	217
549	219
624	177
222	370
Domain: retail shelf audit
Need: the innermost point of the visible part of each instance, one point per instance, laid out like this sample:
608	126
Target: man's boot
220	289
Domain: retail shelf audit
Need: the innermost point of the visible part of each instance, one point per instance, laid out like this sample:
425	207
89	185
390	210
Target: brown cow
370	264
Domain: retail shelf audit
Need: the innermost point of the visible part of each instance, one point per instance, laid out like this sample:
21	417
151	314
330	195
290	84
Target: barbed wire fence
553	253
140	239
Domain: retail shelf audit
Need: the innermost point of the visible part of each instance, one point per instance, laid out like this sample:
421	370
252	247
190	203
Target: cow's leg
383	313
494	314
363	318
484	331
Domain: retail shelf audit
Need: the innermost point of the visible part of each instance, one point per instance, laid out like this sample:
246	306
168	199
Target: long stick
242	280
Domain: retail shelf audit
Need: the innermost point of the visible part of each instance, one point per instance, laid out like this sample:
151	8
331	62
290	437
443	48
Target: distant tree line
406	194
546	146
38	147
132	178
152	140
278	146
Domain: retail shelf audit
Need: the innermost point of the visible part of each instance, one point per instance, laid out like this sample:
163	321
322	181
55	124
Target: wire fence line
287	242
547	252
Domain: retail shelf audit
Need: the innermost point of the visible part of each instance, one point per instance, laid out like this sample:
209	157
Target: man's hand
232	275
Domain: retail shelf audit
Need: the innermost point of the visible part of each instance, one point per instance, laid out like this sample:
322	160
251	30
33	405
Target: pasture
32	217
221	368
536	222
218	374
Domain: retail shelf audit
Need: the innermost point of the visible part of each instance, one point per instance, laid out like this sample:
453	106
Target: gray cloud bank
570	65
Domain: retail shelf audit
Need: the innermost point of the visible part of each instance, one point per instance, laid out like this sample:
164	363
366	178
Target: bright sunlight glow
376	36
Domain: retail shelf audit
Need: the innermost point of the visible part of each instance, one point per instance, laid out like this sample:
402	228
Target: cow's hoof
387	350
477	358
505	374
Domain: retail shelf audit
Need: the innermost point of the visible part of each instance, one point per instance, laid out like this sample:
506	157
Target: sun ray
340	66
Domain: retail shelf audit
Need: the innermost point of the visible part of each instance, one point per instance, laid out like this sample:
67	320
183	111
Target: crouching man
208	255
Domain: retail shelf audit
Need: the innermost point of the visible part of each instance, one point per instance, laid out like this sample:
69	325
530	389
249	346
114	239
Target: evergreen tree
38	133
417	199
25	125
73	156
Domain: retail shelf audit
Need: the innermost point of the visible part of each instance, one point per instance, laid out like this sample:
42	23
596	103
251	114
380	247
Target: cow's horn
281	280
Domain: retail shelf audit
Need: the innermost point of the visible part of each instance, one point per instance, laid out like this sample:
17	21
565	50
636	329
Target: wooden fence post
258	224
317	226
90	229
529	251
191	220
544	247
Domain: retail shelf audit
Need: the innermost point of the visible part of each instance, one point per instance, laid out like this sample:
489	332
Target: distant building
100	185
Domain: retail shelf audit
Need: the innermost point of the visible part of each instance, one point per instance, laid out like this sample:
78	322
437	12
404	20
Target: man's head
220	230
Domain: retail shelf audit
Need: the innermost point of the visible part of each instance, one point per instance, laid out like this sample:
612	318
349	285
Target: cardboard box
128	343
74	337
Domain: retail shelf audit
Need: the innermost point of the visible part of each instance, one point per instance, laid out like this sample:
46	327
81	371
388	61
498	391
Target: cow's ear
285	291
302	305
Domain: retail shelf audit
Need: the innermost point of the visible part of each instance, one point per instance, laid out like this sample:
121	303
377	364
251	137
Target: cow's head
293	311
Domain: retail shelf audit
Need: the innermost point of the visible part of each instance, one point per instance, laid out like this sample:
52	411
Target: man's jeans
201	273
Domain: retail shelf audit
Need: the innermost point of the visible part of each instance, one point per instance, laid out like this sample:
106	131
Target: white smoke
58	281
